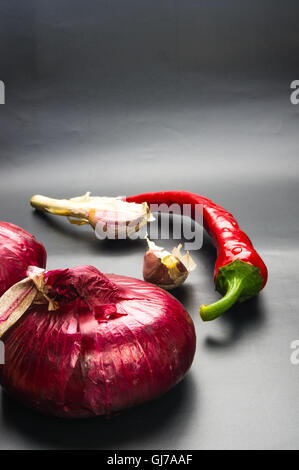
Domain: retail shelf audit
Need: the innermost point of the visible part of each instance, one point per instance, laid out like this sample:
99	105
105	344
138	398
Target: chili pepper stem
212	311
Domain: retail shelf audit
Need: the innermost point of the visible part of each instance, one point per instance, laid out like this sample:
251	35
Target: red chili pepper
240	273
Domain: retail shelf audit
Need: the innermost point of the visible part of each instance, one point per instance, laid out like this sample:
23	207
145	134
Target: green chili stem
212	311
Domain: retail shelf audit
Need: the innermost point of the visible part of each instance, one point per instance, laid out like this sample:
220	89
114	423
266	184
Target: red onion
18	250
109	342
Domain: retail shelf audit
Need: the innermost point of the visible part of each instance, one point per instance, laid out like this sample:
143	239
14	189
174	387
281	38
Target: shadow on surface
60	224
86	234
207	253
136	425
183	294
241	319
194	291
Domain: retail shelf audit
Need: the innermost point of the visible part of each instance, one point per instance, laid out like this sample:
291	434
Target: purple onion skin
18	250
77	362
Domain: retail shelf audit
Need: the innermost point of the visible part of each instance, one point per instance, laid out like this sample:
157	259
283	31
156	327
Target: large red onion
18	250
112	342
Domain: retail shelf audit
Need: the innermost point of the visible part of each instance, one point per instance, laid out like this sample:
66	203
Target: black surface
119	97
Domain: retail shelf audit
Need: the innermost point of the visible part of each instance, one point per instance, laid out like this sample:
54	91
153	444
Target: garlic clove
109	216
165	269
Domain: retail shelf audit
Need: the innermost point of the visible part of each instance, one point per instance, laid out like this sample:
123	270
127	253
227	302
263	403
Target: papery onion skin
18	250
75	362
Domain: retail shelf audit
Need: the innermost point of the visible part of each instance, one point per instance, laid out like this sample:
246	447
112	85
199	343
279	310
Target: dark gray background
118	97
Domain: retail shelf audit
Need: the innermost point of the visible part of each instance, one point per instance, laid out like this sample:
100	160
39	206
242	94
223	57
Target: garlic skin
111	217
166	270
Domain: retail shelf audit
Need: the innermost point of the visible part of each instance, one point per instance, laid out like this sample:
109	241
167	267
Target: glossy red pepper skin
236	256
